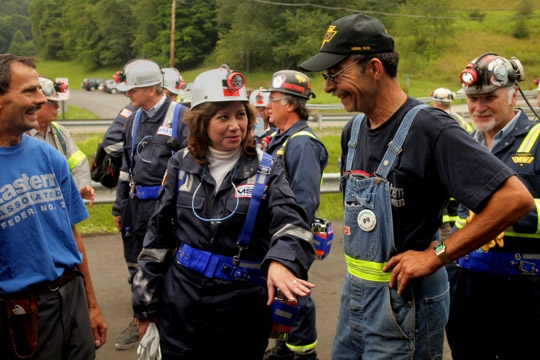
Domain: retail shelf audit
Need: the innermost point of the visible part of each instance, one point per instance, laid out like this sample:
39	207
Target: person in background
303	157
172	83
262	128
58	136
48	308
402	162
230	206
498	284
442	99
152	135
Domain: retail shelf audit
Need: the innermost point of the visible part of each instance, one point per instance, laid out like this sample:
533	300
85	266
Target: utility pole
173	19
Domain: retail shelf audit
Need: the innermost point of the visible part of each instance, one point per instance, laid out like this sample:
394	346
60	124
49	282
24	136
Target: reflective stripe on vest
76	158
530	139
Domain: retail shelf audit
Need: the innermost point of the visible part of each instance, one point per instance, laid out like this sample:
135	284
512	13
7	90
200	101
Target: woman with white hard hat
235	240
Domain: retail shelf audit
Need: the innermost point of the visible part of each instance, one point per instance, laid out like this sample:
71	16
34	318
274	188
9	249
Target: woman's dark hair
199	117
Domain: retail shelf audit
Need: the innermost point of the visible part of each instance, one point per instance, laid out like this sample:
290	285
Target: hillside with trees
434	38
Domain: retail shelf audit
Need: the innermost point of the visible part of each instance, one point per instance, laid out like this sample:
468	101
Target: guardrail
330	185
320	113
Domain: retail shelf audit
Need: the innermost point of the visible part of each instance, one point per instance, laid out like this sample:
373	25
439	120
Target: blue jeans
376	323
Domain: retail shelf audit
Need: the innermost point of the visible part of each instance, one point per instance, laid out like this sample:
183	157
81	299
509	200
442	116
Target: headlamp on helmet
490	72
172	80
259	98
55	91
218	85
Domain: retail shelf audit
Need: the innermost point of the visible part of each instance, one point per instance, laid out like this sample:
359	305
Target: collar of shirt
480	137
153	110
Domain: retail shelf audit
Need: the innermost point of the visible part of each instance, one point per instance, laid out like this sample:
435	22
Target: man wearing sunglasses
58	136
402	160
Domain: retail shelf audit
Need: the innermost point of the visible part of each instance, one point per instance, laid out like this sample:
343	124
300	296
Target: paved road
109	275
102	104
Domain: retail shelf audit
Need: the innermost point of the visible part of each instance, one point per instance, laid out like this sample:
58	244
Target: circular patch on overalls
366	220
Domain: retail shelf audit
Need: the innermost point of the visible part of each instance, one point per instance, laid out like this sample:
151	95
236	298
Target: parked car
92	84
110	86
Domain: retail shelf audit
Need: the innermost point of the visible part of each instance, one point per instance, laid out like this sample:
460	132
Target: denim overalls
374	321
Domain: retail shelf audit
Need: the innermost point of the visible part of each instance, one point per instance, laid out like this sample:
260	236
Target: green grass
101	220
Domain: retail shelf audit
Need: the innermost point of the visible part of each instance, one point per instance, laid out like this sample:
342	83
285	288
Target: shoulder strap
353	141
395	146
60	136
261	180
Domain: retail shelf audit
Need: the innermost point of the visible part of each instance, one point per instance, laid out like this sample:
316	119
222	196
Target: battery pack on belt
323	236
494	262
147	192
218	266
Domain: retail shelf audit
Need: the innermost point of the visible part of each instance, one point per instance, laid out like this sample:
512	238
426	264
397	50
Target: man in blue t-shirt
48	309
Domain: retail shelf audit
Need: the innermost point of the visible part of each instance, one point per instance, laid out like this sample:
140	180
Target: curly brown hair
199	117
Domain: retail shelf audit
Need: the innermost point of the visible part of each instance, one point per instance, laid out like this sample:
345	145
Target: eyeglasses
333	77
273	99
51	103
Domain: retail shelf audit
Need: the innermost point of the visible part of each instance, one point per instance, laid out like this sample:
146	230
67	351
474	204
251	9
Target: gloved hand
499	240
149	348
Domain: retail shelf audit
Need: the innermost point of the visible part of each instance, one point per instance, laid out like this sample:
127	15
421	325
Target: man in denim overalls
402	162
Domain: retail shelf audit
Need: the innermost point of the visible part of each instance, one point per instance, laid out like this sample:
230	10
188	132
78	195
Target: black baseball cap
350	35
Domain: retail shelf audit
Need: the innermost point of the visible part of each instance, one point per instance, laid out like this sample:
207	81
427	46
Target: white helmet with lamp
259	97
139	73
173	81
218	85
55	91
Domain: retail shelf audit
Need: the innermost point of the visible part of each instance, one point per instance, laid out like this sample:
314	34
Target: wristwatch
440	251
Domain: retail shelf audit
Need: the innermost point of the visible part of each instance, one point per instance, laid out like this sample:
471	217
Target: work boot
279	352
128	338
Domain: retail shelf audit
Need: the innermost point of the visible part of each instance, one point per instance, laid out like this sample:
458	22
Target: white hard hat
172	80
443	95
55	91
139	73
259	98
218	85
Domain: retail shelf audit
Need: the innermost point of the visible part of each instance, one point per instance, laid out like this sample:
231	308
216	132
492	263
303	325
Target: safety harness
508	263
363	269
223	267
152	191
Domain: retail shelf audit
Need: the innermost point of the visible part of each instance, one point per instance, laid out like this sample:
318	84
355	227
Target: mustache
482	114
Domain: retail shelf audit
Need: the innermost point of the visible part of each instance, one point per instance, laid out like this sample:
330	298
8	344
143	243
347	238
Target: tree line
249	35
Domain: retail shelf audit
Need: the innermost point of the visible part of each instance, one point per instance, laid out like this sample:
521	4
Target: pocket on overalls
22	314
359	202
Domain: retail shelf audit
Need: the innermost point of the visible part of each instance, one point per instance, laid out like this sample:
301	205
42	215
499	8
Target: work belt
147	192
215	266
45	287
507	263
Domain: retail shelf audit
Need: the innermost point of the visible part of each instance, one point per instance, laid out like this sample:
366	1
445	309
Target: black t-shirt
439	160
